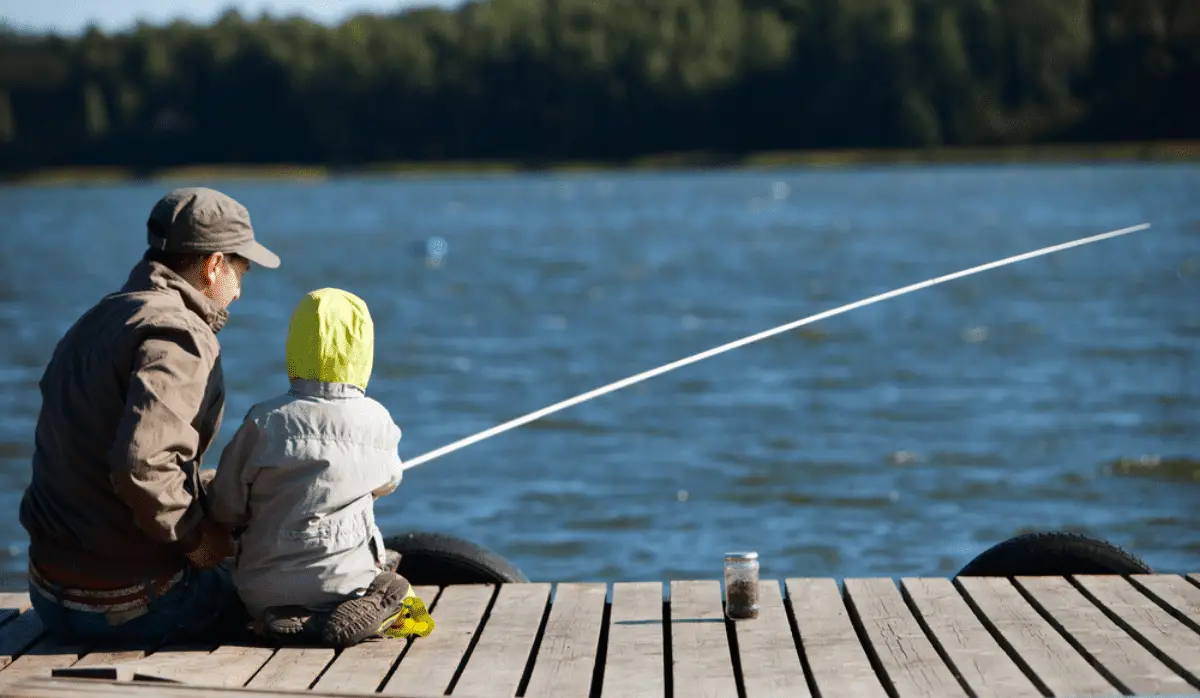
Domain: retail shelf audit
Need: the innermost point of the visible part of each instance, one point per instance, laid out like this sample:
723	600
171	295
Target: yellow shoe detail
413	619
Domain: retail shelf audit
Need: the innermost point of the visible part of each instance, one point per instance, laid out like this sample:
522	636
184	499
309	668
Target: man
121	545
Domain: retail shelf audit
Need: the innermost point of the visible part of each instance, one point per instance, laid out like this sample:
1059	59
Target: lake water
899	439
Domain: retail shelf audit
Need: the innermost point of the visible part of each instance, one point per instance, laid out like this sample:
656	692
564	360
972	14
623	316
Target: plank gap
500	658
602	646
1121	654
387	675
839	662
566	660
735	653
1071	640
1144	641
860	629
431	663
982	663
634	656
809	678
700	645
905	653
527	675
911	604
337	652
668	658
483	619
998	636
1176	613
766	649
258	671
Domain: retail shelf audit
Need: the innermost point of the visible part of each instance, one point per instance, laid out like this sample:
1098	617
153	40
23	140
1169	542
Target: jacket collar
148	275
311	388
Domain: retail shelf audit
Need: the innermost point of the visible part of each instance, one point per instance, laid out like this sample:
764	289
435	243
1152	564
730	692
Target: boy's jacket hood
331	339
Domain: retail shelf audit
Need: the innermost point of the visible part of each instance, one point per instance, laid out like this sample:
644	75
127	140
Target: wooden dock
868	638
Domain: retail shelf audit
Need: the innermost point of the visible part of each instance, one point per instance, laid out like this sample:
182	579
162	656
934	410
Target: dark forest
541	81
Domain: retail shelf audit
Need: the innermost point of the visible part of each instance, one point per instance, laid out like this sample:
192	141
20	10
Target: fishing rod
625	382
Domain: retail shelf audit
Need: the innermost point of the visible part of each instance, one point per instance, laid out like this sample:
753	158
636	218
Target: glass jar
741	585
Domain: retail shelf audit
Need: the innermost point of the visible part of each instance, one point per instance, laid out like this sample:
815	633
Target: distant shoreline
1152	151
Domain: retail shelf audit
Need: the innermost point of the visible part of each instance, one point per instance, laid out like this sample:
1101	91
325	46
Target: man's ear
210	267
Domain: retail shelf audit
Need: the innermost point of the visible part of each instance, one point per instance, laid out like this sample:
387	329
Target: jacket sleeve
156	445
229	493
393	469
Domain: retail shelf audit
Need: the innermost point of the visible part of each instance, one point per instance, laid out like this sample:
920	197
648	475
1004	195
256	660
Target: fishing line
625	382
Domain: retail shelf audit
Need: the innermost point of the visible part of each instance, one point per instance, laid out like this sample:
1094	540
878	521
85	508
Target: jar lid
742	556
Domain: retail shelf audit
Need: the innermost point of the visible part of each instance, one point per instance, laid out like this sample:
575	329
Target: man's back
98	502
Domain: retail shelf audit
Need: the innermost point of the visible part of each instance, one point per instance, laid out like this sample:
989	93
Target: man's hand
216	544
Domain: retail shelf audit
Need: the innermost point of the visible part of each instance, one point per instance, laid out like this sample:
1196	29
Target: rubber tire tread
1053	554
440	559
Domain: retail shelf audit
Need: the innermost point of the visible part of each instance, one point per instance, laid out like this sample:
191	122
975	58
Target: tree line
550	80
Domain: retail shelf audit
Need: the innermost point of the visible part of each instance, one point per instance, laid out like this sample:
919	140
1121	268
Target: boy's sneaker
355	620
293	624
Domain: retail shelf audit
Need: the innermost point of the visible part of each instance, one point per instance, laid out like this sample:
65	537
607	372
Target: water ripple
901	438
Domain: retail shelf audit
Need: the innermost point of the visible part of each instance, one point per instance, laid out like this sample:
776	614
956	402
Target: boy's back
299	475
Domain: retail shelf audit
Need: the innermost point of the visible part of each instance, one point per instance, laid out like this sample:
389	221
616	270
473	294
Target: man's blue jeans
203	603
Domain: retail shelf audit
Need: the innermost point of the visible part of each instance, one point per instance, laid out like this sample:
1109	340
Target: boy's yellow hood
331	338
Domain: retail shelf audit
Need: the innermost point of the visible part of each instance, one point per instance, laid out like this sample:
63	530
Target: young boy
300	478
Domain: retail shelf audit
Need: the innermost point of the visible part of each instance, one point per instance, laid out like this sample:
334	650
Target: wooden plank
905	653
363	667
1178	644
19	634
977	657
429	664
40	659
1047	653
1128	661
230	665
193	666
839	664
176	661
1174	591
292	669
634	664
566	658
701	661
95	688
767	651
498	661
109	657
235	665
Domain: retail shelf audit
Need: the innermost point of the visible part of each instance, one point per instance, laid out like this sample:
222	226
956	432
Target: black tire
440	559
1053	554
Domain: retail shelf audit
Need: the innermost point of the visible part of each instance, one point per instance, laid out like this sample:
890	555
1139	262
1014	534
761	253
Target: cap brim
259	255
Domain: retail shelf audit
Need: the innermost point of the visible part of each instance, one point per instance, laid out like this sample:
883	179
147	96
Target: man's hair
183	263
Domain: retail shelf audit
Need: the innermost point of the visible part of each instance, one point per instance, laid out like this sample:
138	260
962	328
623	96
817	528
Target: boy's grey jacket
299	474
